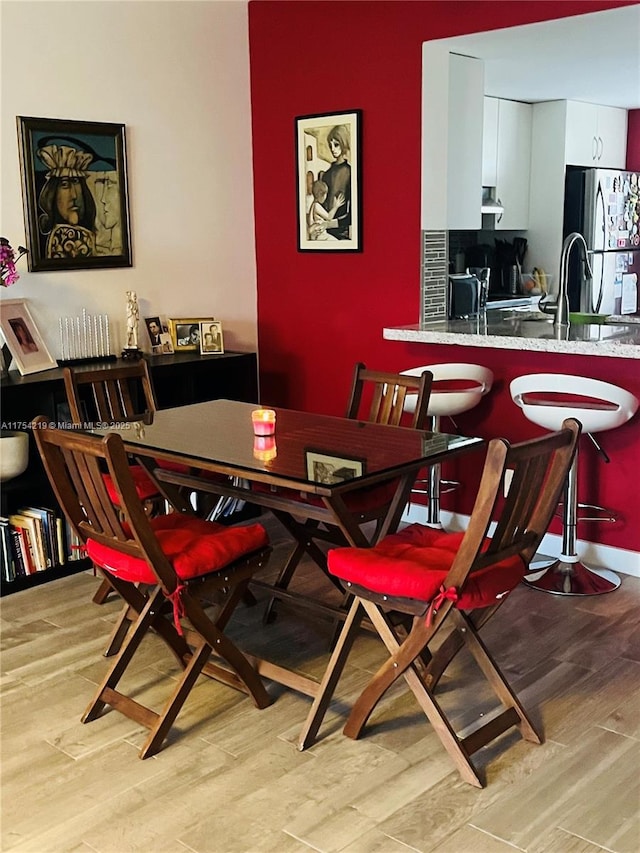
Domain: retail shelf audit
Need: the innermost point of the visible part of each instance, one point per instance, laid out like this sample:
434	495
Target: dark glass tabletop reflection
308	448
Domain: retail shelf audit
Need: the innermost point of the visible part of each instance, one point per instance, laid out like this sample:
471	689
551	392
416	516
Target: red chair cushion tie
192	545
414	564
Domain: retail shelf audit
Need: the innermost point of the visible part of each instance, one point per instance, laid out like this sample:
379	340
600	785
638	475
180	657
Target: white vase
14	454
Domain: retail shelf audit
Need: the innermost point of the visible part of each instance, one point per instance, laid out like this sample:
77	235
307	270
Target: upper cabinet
453	94
506	158
595	135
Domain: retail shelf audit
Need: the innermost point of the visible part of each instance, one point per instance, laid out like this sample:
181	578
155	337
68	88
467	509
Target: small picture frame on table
327	468
328	181
185	333
23	338
211	340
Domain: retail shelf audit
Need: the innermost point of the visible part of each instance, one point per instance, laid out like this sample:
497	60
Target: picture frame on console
23	339
185	333
211	338
328	182
74	192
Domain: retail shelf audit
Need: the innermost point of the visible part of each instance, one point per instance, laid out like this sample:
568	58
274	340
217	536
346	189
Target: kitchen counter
526	330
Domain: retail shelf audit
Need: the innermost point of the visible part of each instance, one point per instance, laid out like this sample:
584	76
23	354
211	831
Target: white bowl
14	454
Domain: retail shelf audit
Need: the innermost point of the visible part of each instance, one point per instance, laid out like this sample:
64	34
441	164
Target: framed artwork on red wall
328	182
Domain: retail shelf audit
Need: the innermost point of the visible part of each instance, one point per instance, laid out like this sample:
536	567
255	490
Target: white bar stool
462	386
547	399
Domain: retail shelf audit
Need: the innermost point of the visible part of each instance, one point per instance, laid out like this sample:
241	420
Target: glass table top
306	447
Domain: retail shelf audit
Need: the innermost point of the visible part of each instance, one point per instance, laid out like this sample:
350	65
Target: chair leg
210	637
494	676
106	693
102	592
331	676
225	649
401	657
403	662
119	632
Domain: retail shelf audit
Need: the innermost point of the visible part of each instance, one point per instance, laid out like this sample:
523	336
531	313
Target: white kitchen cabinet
490	142
453	93
595	135
506	159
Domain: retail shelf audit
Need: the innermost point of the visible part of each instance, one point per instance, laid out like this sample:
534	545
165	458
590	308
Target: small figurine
131	349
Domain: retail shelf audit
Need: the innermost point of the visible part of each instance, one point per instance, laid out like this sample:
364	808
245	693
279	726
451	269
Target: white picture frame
22	337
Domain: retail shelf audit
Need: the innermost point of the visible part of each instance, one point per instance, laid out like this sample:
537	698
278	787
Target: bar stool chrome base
573	578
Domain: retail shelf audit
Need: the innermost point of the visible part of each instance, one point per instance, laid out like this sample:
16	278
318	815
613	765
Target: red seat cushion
145	487
360	500
414	563
193	546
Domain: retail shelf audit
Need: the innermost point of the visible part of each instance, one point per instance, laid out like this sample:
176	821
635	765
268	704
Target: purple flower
8	260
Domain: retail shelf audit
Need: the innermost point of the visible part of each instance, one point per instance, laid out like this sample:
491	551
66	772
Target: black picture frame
74	194
323	172
324	467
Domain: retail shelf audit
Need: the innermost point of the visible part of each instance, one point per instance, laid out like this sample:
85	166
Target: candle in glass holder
264	421
264	447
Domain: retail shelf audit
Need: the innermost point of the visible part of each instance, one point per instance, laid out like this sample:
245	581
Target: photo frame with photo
159	337
328	181
185	333
74	191
211	339
323	467
23	338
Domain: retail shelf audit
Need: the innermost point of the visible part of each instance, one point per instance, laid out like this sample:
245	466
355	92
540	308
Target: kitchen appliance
604	206
465	296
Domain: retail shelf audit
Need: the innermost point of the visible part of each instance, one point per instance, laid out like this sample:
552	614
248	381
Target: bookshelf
178	379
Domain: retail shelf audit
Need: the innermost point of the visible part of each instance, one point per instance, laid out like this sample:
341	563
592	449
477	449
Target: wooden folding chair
164	568
451	584
376	397
109	395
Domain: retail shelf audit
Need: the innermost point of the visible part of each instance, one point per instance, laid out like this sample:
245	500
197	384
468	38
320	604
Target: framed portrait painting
74	194
328	182
23	338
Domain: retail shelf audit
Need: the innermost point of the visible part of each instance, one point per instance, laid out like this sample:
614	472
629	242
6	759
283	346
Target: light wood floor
230	779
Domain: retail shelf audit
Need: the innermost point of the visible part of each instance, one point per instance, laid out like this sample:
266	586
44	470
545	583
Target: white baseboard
603	556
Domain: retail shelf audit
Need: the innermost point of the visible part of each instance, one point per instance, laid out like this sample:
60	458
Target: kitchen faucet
560	307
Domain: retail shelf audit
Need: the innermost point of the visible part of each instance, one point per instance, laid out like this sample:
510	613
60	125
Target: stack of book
34	539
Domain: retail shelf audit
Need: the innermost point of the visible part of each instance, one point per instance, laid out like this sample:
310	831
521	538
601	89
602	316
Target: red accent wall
320	313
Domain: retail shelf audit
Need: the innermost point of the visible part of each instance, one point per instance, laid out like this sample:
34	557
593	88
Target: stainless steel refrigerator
604	206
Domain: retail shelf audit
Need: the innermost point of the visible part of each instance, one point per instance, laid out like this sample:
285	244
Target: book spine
18	552
62	557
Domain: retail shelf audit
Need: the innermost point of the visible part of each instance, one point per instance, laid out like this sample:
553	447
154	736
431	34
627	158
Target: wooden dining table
211	447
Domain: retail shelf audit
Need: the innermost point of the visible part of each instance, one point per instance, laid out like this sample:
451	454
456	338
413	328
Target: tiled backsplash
435	265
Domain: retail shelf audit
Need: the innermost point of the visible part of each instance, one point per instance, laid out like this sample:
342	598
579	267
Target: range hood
489	203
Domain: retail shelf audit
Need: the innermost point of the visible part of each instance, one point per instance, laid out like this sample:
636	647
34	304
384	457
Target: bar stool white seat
456	388
546	399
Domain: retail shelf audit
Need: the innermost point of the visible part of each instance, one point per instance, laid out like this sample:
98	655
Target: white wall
177	75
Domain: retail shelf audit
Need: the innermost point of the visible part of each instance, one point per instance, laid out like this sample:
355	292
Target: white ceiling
593	58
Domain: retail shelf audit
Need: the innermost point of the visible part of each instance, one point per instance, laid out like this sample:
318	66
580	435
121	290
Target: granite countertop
525	330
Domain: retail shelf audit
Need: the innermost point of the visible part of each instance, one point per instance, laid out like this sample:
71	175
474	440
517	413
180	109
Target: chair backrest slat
538	471
384	402
110	394
75	464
